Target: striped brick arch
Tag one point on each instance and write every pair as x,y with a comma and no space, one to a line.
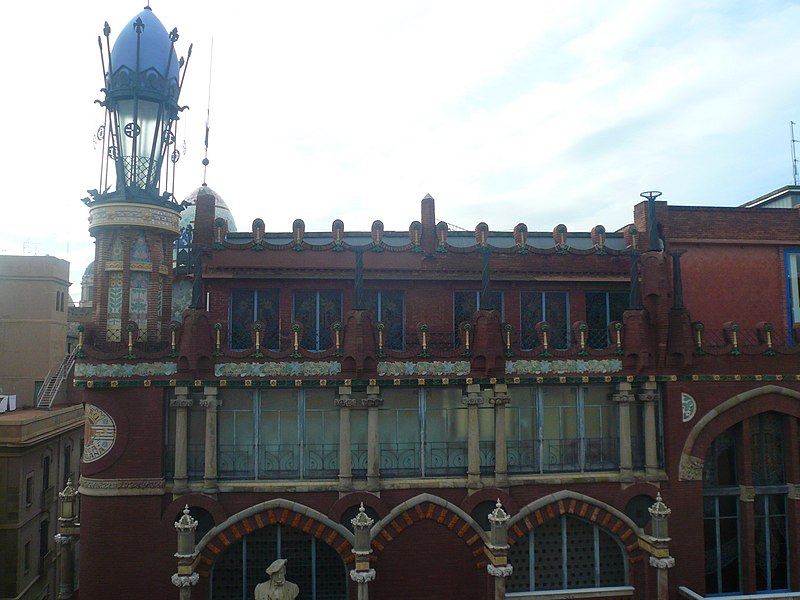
567,503
286,513
432,508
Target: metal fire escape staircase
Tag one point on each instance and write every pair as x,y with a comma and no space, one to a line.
54,380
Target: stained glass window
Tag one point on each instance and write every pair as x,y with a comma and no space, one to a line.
552,307
317,311
248,306
387,306
603,308
465,303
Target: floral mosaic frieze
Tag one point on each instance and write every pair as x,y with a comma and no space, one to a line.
434,367
142,369
543,367
278,369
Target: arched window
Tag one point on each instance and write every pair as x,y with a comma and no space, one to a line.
566,553
313,565
735,536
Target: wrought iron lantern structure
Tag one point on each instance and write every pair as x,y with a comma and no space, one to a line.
143,80
68,506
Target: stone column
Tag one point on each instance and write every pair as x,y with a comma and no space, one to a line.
66,572
623,396
500,400
345,402
473,400
659,546
363,572
649,396
210,402
181,403
497,551
373,402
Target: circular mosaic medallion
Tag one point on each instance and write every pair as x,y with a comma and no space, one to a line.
100,434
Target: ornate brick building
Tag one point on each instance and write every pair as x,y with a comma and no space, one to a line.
578,378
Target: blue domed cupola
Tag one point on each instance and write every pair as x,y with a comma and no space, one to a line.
142,86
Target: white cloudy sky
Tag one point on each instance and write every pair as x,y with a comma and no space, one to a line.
505,112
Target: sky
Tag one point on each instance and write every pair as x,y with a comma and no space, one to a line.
508,112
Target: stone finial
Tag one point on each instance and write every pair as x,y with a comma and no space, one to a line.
186,522
362,520
498,516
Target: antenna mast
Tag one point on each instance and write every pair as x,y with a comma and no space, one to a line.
795,175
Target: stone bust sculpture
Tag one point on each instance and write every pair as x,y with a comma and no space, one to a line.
277,588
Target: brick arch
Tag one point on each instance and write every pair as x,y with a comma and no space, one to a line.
727,414
266,514
565,502
429,507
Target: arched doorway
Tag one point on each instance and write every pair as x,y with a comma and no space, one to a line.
313,565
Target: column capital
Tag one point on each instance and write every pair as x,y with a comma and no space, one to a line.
181,402
362,576
662,563
500,399
372,401
649,396
181,581
210,402
472,399
344,401
500,571
622,396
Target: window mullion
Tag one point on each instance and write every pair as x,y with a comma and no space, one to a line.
256,406
422,408
301,431
564,578
596,543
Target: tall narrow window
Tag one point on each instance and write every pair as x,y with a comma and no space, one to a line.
388,307
249,306
603,308
317,311
793,288
445,432
400,433
552,307
236,444
465,303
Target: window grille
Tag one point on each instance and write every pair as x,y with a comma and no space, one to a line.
552,307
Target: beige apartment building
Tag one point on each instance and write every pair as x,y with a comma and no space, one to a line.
41,439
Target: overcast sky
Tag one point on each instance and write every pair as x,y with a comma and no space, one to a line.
505,112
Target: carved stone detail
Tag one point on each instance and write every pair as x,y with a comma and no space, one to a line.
501,571
691,468
662,563
185,580
362,576
500,400
472,399
121,487
181,402
62,540
345,402
371,401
